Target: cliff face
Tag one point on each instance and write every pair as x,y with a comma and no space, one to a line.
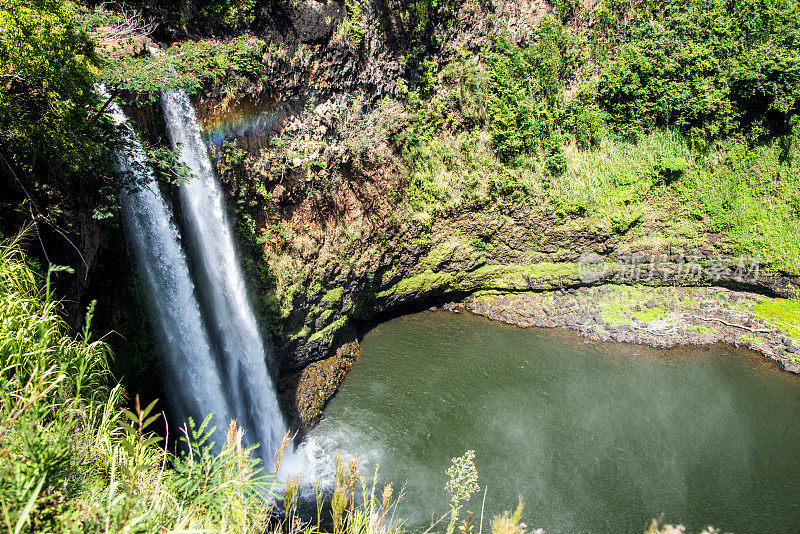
336,230
359,156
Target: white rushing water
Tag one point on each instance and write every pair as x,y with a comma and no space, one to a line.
231,323
192,380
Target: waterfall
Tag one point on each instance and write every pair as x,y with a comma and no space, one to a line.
231,323
192,381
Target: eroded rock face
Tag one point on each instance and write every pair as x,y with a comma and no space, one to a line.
303,395
321,194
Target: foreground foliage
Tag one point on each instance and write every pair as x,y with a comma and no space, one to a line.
73,458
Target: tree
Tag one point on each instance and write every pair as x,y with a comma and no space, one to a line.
53,136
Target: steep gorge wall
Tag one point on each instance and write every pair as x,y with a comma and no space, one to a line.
321,195
333,232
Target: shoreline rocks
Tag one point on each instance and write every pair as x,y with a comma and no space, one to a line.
661,317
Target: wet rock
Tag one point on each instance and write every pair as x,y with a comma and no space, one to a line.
304,394
791,367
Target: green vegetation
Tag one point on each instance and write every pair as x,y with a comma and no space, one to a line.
626,303
233,14
462,484
523,86
424,282
187,65
783,313
707,68
751,339
353,27
334,295
48,67
53,137
690,127
75,459
752,197
329,331
497,277
700,329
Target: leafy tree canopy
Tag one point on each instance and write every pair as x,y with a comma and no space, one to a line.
53,136
48,107
708,67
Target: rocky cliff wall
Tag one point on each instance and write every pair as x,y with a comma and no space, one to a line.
335,227
309,158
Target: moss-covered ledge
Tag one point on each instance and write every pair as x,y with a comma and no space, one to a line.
657,316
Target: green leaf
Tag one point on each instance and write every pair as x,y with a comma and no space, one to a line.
147,422
128,428
23,515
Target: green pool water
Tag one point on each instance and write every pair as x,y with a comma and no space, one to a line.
595,437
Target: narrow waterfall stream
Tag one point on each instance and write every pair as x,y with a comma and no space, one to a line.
188,362
232,325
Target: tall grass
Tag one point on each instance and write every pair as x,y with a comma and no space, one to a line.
656,190
753,196
72,458
617,172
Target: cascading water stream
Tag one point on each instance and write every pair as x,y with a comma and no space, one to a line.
192,380
232,324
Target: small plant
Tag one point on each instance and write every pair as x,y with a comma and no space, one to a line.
462,484
670,169
372,513
353,27
508,523
479,243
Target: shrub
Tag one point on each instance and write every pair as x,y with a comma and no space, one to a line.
233,14
523,86
353,28
706,68
670,169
